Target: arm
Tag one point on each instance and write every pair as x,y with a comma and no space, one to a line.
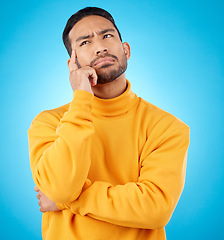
150,202
60,148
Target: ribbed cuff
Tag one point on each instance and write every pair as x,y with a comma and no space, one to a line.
63,206
81,98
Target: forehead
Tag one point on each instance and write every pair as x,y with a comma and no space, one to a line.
90,25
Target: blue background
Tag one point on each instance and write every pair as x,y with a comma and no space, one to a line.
177,63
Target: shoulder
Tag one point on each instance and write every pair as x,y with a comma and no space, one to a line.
157,118
161,128
50,117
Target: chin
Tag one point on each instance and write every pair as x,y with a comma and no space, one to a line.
104,80
107,74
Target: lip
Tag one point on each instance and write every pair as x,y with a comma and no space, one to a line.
103,60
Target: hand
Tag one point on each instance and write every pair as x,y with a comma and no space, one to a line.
81,78
46,205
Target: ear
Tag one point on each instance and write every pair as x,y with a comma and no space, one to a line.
127,49
68,61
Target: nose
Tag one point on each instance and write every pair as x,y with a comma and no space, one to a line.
101,50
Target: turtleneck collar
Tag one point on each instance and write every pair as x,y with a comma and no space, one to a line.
117,106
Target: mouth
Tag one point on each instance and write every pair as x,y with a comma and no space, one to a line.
102,61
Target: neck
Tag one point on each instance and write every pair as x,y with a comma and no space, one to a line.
112,89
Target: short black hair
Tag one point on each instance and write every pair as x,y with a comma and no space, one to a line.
88,11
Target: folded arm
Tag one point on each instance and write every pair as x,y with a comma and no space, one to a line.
149,202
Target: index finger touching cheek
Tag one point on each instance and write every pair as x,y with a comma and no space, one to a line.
72,61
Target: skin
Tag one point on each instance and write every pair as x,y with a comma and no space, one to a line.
90,48
94,42
46,205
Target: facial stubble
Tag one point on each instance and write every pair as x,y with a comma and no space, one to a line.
108,73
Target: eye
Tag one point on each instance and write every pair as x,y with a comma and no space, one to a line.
83,43
108,35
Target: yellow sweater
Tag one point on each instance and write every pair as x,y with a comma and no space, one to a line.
115,167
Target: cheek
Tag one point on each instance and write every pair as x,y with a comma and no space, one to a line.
118,51
83,57
121,55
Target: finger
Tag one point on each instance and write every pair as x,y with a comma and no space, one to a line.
36,189
42,210
72,61
93,78
38,195
41,207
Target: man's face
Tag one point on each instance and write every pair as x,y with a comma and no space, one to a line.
97,44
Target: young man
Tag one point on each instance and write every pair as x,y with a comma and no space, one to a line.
109,165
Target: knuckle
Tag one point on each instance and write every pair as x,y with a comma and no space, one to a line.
72,71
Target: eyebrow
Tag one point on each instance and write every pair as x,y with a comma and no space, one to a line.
98,33
105,31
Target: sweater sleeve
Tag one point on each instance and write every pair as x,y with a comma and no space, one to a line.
149,202
60,149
